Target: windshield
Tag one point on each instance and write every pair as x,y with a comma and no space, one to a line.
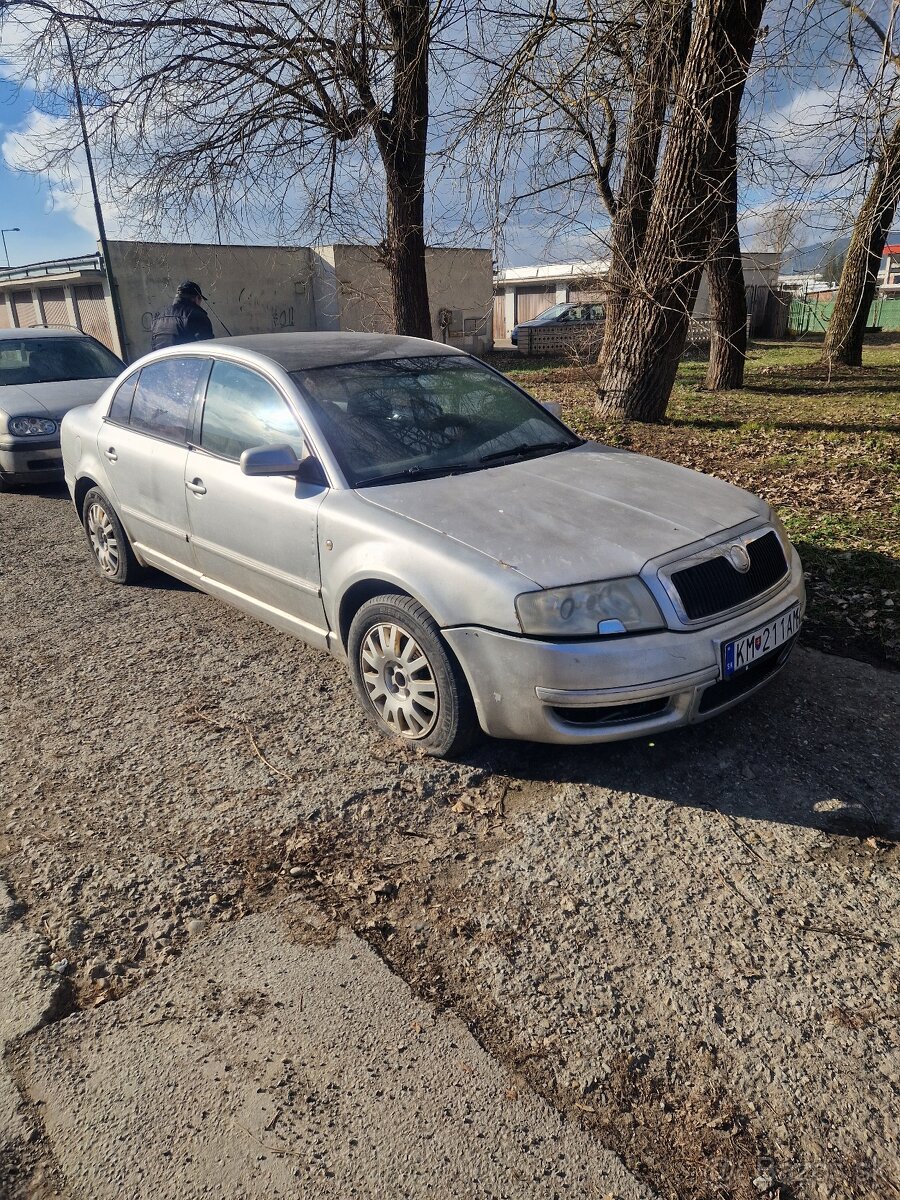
551,313
51,360
402,418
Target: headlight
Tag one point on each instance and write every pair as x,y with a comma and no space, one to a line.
31,426
611,606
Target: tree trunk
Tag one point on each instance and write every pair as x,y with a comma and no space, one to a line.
725,273
405,256
665,39
402,139
847,327
640,370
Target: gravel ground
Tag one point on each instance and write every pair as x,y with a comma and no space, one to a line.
690,946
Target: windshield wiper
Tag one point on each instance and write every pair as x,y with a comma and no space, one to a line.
418,473
528,448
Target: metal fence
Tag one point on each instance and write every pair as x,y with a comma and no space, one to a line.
810,315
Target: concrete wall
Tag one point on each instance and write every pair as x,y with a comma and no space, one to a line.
254,289
258,289
760,271
352,289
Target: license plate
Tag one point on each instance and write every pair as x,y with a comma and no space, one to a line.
744,651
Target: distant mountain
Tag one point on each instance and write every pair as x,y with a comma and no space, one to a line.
809,259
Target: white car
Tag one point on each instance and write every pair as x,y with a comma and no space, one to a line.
43,373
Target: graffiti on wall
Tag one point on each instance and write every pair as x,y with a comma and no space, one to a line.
280,317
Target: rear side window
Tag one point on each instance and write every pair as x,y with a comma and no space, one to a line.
120,409
164,397
243,410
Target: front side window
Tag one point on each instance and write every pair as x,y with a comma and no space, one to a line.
398,419
54,360
165,395
243,410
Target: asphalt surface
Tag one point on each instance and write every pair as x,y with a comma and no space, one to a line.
686,948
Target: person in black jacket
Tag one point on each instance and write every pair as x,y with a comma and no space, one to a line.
183,321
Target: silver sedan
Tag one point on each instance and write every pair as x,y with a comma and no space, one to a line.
409,509
43,373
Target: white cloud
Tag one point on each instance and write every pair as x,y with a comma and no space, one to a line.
37,146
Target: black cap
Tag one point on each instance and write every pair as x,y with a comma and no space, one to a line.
189,288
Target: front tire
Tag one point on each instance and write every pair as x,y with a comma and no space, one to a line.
110,547
408,683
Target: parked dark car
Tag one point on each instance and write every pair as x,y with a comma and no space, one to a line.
563,314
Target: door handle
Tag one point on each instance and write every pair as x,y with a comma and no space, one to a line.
197,486
111,454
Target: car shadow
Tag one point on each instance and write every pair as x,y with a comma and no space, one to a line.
158,581
45,491
817,748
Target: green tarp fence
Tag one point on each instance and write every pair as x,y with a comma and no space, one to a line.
812,316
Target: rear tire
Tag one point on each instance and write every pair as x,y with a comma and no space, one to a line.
408,683
110,548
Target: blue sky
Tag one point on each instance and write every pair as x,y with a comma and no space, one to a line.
25,200
55,216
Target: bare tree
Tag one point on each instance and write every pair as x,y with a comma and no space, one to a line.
662,50
779,231
295,106
859,275
640,369
725,273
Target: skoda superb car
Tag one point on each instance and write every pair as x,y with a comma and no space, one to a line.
409,509
44,373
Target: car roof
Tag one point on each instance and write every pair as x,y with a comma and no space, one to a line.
41,331
304,351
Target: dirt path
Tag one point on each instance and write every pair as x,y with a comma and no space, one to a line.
691,947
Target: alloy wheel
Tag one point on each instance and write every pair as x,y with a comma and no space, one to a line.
399,681
104,542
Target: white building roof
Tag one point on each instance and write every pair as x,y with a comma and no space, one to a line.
553,272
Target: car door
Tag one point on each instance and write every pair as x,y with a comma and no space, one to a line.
254,537
143,441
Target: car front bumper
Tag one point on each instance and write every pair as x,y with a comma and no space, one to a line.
616,688
31,460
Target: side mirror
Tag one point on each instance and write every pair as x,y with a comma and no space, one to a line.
270,460
554,407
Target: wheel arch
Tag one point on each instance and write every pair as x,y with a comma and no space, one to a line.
356,596
82,486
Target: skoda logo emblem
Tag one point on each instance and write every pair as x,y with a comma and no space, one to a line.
739,559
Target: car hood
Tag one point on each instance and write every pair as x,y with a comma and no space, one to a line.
594,512
52,399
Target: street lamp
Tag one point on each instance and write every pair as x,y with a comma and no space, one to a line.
3,233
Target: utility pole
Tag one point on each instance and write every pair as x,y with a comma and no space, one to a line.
98,211
212,189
